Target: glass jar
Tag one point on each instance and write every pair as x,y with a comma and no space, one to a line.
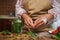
17,25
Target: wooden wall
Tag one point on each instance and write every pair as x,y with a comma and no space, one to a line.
7,6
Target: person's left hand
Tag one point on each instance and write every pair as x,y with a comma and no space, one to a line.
38,23
41,21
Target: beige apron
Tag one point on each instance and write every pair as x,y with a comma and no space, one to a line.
36,8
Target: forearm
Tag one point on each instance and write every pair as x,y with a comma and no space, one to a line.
19,10
49,16
24,15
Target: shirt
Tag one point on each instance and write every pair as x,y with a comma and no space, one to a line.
55,10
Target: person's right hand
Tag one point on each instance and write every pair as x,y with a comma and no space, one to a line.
27,20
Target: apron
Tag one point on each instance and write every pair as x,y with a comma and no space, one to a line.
36,8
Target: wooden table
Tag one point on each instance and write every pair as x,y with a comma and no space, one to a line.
22,37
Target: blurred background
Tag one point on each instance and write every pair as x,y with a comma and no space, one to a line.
7,6
7,12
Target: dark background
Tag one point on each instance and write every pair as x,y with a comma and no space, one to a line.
7,6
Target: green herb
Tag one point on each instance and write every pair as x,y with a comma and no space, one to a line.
31,33
5,32
56,37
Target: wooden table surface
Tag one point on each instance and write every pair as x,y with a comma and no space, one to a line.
21,37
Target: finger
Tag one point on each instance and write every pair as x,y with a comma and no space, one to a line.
27,26
39,25
38,22
26,23
36,25
30,22
35,22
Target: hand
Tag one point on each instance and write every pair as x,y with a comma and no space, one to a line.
39,22
27,20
